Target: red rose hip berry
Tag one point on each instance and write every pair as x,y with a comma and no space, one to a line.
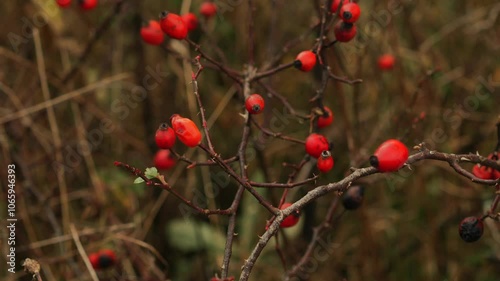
186,130
471,229
326,119
316,144
190,20
88,4
103,259
482,172
335,5
386,62
164,159
165,137
325,162
63,3
350,12
173,25
344,32
152,33
208,9
254,104
305,61
390,156
290,220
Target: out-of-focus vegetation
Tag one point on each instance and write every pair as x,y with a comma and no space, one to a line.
443,90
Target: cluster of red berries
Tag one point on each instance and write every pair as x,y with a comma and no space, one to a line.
102,259
487,173
184,129
84,4
174,25
349,13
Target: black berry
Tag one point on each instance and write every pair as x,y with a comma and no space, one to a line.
353,197
471,229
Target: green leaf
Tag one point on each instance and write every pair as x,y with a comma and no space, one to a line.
151,173
138,180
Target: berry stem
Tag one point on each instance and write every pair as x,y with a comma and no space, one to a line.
200,104
233,74
164,185
276,135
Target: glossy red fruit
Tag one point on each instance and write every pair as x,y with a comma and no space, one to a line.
164,159
344,32
186,130
63,3
316,144
335,5
353,197
290,220
390,156
152,33
326,119
254,104
350,12
103,259
305,61
386,62
173,25
482,172
190,20
165,137
471,229
88,4
208,9
325,162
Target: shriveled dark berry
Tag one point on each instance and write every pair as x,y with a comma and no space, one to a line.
353,197
471,229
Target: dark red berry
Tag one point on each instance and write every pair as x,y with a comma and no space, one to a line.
350,12
325,162
164,159
254,104
165,137
390,156
88,4
152,33
63,3
325,119
335,5
316,144
290,220
208,9
471,229
190,20
173,25
353,197
103,259
305,61
186,130
344,32
386,62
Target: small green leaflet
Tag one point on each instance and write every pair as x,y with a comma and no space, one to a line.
149,173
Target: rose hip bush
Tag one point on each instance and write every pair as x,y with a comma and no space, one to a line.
255,140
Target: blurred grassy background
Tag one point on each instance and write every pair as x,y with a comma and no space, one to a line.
447,68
